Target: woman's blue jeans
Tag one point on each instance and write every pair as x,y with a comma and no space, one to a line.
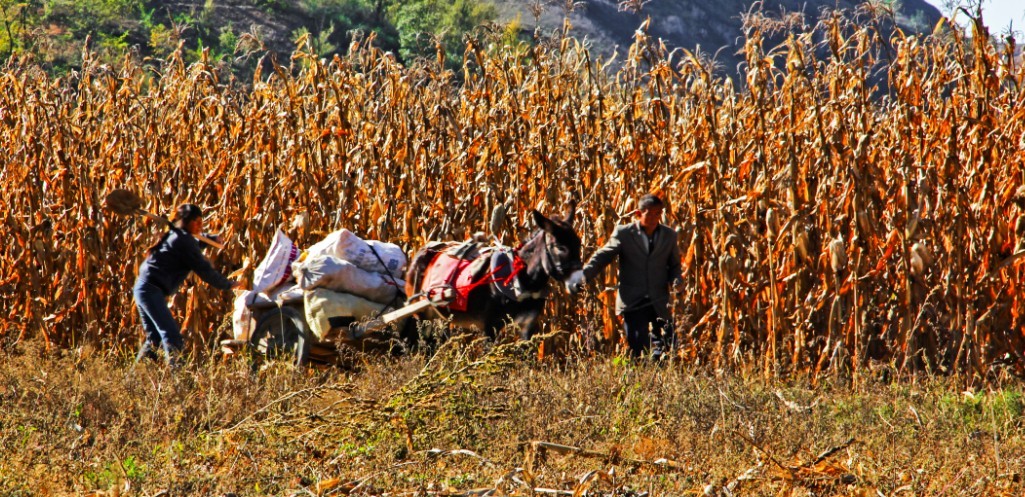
162,331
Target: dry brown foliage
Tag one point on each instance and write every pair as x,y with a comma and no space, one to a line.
477,419
827,225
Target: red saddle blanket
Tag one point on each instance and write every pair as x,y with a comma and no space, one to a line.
449,278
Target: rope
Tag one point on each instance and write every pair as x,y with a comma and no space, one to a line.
395,300
518,266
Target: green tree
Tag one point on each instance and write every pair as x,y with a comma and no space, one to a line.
420,23
13,16
334,22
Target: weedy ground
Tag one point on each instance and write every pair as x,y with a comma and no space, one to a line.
479,418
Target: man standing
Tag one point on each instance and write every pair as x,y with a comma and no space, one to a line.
166,266
649,262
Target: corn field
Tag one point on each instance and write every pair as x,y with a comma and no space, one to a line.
830,225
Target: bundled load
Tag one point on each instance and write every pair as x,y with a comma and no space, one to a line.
340,275
338,281
369,255
328,309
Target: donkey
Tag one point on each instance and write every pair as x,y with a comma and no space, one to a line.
513,286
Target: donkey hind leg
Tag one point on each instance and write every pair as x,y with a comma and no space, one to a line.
494,321
523,316
409,337
524,325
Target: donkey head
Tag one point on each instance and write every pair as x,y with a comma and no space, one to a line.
561,258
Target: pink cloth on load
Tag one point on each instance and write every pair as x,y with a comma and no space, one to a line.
446,271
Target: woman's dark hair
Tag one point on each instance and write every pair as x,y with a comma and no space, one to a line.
185,214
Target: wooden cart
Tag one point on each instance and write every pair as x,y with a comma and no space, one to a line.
282,333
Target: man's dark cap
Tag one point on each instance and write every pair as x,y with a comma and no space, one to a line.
648,201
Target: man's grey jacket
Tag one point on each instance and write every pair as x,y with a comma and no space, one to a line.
643,276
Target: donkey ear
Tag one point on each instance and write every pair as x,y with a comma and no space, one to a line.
572,212
541,221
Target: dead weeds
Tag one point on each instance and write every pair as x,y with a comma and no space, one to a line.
481,419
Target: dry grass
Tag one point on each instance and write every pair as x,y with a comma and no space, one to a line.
469,420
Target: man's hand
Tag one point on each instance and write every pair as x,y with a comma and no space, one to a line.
575,282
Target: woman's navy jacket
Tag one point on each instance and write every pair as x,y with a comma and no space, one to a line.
172,258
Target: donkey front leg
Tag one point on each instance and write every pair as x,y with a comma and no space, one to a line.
526,319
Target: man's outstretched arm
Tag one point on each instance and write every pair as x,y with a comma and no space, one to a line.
604,256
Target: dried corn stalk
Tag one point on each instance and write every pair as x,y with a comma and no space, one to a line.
818,218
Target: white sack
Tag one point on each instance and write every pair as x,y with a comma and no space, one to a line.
323,304
346,246
325,271
286,293
289,295
242,317
276,267
393,256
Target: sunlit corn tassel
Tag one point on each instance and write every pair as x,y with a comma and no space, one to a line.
439,51
837,255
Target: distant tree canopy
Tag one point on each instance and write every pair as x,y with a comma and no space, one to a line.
421,24
55,32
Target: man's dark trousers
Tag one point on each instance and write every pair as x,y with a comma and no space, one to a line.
645,329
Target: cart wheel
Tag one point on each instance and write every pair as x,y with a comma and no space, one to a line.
281,334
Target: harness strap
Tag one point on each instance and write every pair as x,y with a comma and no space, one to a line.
555,271
517,266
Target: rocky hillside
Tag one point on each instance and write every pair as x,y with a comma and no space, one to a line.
712,26
54,33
